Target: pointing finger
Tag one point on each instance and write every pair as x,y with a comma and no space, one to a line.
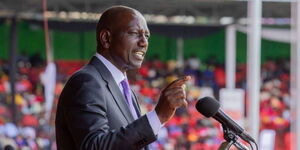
179,82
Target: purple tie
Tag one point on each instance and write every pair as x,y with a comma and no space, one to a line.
126,91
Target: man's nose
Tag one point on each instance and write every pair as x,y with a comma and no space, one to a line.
143,41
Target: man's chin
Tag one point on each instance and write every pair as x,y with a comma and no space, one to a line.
135,66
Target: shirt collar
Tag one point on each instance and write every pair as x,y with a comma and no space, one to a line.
115,72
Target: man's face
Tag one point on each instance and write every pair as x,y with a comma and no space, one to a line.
129,42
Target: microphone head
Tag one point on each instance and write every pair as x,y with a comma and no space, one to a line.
207,106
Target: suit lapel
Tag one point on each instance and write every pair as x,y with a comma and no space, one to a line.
113,88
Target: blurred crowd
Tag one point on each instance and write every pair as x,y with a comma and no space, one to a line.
27,128
187,130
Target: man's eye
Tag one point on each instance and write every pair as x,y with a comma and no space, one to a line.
147,36
133,33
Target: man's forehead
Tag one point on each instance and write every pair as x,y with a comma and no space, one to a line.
139,22
130,19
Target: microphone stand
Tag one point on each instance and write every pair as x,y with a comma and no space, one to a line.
231,138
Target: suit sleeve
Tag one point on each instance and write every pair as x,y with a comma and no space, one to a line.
84,110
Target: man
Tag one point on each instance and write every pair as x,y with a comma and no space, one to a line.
96,109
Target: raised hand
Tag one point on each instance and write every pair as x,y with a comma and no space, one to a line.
171,97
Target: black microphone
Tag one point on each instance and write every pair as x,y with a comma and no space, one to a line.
210,107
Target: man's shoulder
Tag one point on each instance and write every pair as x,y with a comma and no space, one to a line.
86,70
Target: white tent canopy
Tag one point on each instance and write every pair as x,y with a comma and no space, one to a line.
272,34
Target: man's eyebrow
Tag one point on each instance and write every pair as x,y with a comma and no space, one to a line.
139,29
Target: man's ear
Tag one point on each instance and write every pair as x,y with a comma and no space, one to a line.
105,38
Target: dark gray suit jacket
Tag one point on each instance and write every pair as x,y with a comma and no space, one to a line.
92,114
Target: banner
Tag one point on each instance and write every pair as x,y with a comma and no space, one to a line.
49,82
233,103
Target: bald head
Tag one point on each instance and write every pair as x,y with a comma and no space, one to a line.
110,19
122,37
